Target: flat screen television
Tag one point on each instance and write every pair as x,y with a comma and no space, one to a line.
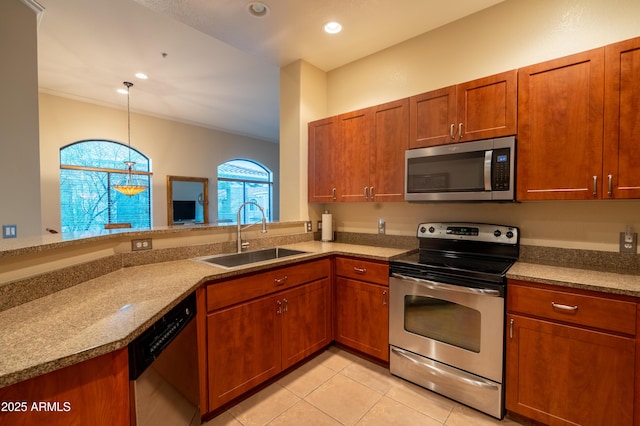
184,210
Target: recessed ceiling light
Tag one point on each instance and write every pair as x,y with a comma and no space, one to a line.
258,9
141,76
332,27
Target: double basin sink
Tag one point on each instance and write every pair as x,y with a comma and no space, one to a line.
249,257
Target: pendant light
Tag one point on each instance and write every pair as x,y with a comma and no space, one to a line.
127,185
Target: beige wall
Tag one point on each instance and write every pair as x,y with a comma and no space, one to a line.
174,149
507,36
303,97
19,161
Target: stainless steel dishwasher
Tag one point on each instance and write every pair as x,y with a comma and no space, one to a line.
163,370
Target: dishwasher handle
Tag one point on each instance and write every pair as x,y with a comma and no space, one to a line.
433,285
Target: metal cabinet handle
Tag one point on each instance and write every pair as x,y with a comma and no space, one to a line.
279,307
610,188
280,281
511,328
371,194
460,131
366,192
359,270
384,297
433,285
286,305
451,131
595,186
564,307
333,193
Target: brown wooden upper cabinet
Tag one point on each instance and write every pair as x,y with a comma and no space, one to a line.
560,124
322,160
355,156
621,178
576,118
478,109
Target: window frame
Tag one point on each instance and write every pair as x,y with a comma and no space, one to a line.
113,176
248,197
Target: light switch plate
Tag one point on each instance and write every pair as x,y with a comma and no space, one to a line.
629,245
9,231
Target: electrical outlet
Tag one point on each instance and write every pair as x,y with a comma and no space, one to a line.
142,244
629,242
9,231
382,226
319,225
309,226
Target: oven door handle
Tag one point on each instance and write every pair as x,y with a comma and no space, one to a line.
432,285
468,380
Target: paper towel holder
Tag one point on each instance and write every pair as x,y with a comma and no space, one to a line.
327,226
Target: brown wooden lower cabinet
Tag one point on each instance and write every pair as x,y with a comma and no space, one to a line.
559,372
250,342
93,392
362,309
362,317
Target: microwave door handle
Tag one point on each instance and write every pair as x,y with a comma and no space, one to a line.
488,159
432,285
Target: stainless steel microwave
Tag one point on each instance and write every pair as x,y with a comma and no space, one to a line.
470,171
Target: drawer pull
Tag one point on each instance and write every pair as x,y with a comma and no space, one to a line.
359,270
280,281
564,307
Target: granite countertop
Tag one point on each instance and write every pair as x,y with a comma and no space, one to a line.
586,279
106,313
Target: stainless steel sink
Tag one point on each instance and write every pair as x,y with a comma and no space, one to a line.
240,259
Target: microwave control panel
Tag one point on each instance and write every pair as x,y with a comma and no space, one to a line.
500,169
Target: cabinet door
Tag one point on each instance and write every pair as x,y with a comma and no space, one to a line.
243,348
391,140
362,317
562,375
487,107
322,160
622,120
354,145
94,392
560,128
306,321
432,117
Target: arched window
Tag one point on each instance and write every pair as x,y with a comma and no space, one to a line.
240,181
88,171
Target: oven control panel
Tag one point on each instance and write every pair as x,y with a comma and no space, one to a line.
470,232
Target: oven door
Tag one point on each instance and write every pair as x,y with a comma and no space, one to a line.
459,326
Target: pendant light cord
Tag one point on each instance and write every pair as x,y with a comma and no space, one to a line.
128,84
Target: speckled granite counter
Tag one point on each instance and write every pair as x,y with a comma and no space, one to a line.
106,313
586,279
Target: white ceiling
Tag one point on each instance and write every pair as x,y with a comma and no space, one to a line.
221,68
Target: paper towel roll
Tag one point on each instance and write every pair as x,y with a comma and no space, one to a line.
327,227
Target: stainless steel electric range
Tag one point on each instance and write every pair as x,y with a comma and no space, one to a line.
447,311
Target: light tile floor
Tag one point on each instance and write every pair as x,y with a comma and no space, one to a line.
338,388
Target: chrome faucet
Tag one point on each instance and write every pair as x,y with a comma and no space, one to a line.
241,245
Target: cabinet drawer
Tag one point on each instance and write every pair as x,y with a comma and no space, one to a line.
236,290
591,311
363,270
